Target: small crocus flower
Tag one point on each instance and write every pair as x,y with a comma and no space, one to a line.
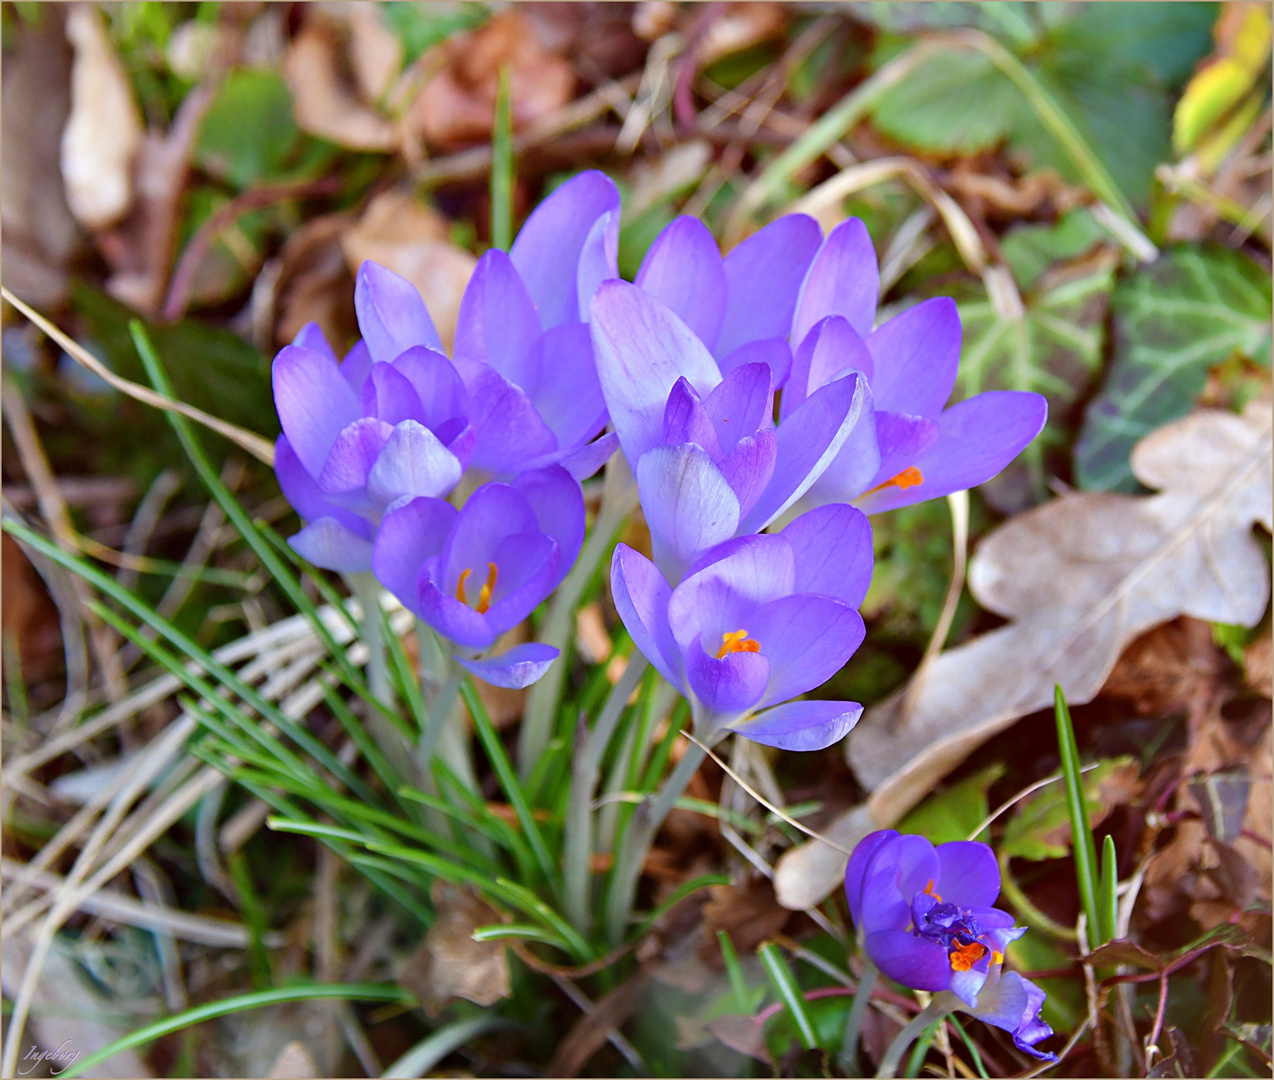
926,919
710,466
807,305
755,623
473,574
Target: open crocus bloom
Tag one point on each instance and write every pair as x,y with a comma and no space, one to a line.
709,463
756,622
806,305
925,917
472,574
397,419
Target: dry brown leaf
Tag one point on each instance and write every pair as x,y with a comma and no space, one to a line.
1078,578
457,105
450,964
749,913
401,233
293,1063
314,284
104,131
1258,665
741,27
325,99
375,54
592,639
40,234
741,1034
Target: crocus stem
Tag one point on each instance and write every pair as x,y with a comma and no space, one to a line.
636,842
395,748
590,746
441,707
935,1010
619,498
854,1025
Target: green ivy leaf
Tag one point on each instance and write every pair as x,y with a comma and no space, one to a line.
954,813
1189,311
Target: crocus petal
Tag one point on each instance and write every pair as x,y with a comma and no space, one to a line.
774,353
833,549
547,250
491,513
807,639
314,403
302,491
641,597
528,569
689,505
976,439
353,455
329,544
558,504
749,466
568,395
497,323
509,430
801,725
642,348
454,620
901,439
830,348
585,461
412,463
728,686
409,535
967,985
389,395
842,280
598,260
391,314
856,868
912,961
1013,1003
970,876
437,384
808,443
916,355
311,337
720,595
521,666
737,405
687,421
895,875
683,268
764,275
356,365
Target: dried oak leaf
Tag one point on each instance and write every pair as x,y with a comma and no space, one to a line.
104,131
450,964
401,233
457,105
1078,578
749,913
314,283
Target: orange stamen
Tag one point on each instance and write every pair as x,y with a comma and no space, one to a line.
464,576
929,890
909,477
737,641
484,597
963,957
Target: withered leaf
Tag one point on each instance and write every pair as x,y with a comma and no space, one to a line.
449,964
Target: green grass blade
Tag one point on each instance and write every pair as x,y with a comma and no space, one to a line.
240,1003
1085,850
788,991
734,970
1108,898
502,165
676,896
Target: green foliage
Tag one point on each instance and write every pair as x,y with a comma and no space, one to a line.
1031,249
422,26
1188,311
1037,830
953,814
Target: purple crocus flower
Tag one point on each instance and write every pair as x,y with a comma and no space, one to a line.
472,574
396,419
757,621
926,920
709,463
807,305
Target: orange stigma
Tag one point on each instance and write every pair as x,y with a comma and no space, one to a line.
484,597
737,641
929,890
909,477
963,957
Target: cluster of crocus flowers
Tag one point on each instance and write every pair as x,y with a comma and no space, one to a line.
926,919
